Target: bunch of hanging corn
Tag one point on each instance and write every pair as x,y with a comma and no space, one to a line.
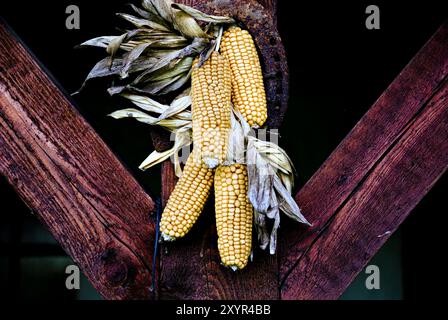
162,53
233,76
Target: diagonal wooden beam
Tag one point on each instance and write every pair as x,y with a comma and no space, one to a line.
69,177
373,179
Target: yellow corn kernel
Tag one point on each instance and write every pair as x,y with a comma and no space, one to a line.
248,94
211,102
233,215
187,199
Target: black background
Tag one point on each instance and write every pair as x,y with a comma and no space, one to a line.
338,69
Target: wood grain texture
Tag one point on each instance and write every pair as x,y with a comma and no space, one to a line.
71,180
372,180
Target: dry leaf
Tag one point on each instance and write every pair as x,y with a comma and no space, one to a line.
139,22
182,139
201,16
188,26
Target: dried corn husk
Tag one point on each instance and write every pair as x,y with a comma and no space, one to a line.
175,117
201,16
270,182
159,51
172,117
182,139
271,176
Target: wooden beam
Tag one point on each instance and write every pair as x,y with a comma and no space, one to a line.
373,179
71,180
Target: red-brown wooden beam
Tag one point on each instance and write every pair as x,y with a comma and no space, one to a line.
72,181
373,179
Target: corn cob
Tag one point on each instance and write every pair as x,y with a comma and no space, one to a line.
233,215
211,102
187,199
248,94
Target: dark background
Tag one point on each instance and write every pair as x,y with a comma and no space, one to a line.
338,69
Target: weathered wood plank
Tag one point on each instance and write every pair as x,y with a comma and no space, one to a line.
388,161
70,178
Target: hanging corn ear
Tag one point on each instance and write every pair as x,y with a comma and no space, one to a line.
211,99
248,94
233,215
187,200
